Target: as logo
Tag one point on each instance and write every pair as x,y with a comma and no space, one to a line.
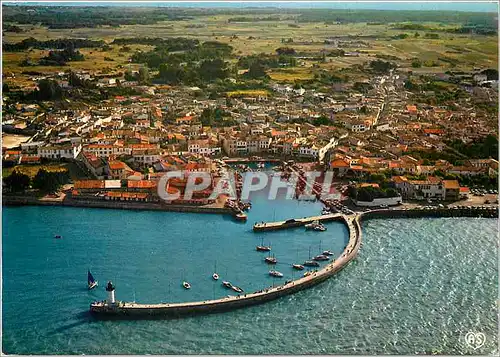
475,340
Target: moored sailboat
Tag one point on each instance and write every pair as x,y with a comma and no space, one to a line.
321,257
262,247
275,273
271,260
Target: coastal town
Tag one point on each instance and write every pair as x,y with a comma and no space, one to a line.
337,162
122,147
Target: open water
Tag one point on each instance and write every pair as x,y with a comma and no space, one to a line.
417,286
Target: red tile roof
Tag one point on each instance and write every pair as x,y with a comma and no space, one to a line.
141,184
339,163
89,184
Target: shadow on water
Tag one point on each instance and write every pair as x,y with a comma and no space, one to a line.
83,317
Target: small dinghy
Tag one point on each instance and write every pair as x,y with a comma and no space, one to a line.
215,276
237,289
186,285
311,263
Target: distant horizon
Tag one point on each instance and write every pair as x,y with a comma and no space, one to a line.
388,5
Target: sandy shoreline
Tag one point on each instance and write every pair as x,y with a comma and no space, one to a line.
13,140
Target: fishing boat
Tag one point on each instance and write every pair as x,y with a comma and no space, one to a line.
92,283
311,263
327,252
315,225
298,266
186,285
262,248
237,289
227,284
275,273
321,257
57,236
319,228
241,216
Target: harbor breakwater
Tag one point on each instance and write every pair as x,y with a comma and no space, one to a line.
457,211
135,310
353,222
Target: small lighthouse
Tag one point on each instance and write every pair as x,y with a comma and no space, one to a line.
110,288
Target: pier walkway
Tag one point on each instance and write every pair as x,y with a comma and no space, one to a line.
296,222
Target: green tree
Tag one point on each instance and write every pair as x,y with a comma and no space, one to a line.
170,73
213,69
46,181
143,76
322,120
207,117
256,70
285,51
17,181
48,90
129,76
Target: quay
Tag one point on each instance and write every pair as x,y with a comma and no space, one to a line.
130,205
296,222
135,310
248,160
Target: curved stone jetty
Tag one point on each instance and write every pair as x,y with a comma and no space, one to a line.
135,310
128,309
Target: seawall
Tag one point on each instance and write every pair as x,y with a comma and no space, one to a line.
129,205
134,310
458,211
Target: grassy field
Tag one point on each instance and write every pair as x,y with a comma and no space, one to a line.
257,37
247,93
291,74
94,61
31,170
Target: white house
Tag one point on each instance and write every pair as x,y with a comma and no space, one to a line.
69,151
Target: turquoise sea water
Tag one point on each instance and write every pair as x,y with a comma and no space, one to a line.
417,285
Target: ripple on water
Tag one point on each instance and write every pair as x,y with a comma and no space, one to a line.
417,286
